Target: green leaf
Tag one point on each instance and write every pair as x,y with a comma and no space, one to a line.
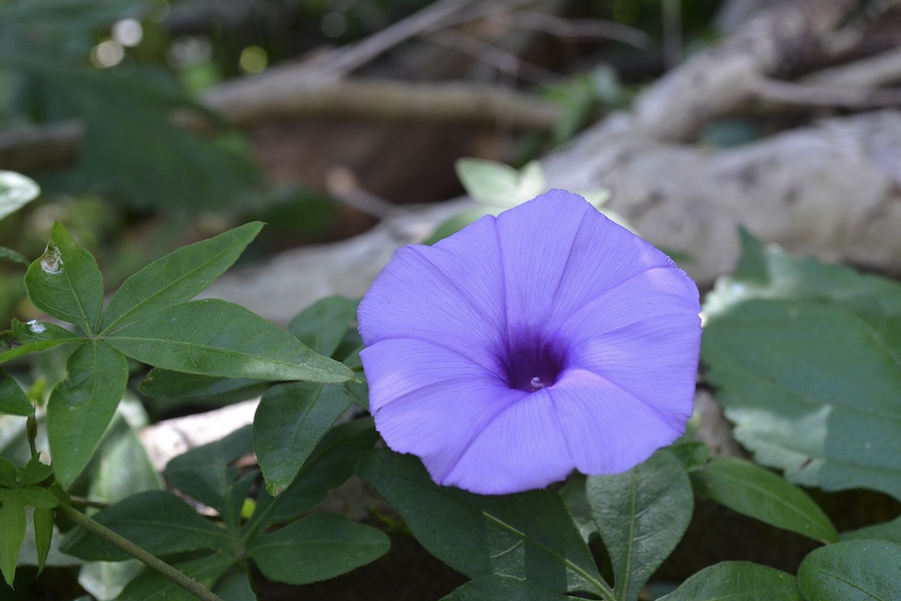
16,191
38,497
762,495
316,548
859,570
737,581
166,384
13,399
156,520
178,276
216,338
235,585
206,473
106,580
8,254
805,357
289,422
329,466
65,282
32,337
496,588
35,472
573,495
693,454
322,325
497,184
12,535
9,475
153,586
526,536
81,406
641,515
43,535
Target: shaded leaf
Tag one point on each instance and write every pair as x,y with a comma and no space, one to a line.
322,325
13,399
12,535
81,406
35,472
43,535
329,466
205,473
737,581
177,277
153,586
216,338
38,497
166,384
8,254
65,282
859,570
888,531
527,536
494,588
641,515
156,520
761,494
289,422
805,359
318,547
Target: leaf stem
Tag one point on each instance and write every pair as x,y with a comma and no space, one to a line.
150,560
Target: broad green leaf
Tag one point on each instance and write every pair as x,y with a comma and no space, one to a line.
235,585
178,276
496,588
762,495
37,497
316,548
153,586
805,357
9,476
16,191
322,325
43,535
206,473
167,384
329,466
8,254
289,422
500,185
737,581
12,535
81,406
859,570
105,580
526,536
12,398
65,282
156,520
641,515
216,338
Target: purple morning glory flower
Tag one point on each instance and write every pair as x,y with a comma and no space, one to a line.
527,345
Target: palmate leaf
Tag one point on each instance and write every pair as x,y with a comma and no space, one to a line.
805,359
12,398
177,277
761,494
215,338
65,282
528,536
32,337
641,515
81,406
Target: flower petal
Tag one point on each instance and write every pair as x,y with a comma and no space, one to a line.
450,294
608,429
521,448
559,253
643,336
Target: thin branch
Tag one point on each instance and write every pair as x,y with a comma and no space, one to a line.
784,92
151,561
581,28
492,55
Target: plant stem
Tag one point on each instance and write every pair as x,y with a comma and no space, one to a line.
150,560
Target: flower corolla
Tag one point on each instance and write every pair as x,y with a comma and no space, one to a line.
524,346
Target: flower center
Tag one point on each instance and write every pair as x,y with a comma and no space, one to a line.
533,366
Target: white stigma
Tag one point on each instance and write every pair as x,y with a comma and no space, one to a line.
536,382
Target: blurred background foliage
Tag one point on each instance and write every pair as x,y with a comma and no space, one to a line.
124,73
